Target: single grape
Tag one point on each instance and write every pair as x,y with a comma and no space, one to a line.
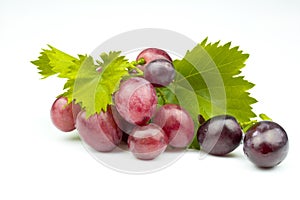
63,114
176,123
219,135
136,100
159,72
147,142
99,131
266,144
151,54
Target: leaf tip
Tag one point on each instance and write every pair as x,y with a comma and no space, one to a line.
203,43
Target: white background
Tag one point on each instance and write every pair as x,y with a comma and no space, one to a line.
39,162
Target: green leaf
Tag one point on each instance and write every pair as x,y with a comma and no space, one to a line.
53,61
69,85
209,83
93,89
43,64
212,71
107,58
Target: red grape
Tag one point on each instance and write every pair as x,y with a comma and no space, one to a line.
151,54
176,123
147,142
63,115
99,131
136,100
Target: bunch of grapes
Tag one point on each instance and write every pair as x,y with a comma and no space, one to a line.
136,118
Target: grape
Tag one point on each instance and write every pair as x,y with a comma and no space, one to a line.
266,144
219,135
136,100
147,142
159,72
176,123
63,115
99,131
124,125
151,54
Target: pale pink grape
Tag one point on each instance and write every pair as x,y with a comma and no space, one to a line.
63,114
99,131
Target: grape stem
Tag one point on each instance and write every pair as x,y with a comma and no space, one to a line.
246,125
139,62
160,93
133,67
265,117
136,71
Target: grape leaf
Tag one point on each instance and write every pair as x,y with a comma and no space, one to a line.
208,82
90,88
43,64
93,89
53,61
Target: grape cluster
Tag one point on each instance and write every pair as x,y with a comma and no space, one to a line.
148,128
135,117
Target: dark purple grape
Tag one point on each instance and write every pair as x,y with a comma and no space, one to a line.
266,144
176,123
151,54
147,142
136,100
219,135
63,115
99,131
159,72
